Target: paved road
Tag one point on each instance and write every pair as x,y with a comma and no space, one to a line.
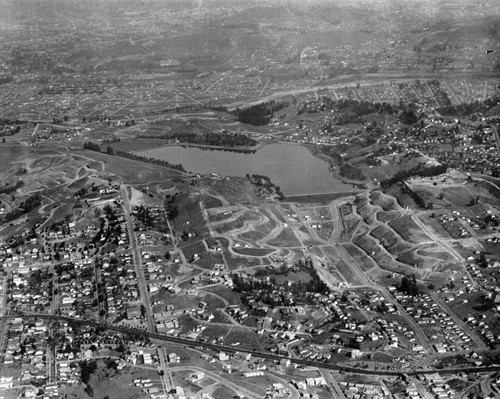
141,279
443,243
219,379
332,384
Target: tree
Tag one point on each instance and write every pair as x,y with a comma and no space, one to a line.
89,145
409,285
110,150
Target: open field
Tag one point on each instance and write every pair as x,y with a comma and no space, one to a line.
229,226
349,227
179,271
364,261
412,259
178,301
274,211
216,216
319,198
436,252
384,201
190,217
252,236
303,234
286,238
325,230
409,230
236,190
246,337
232,297
385,217
292,276
389,240
210,201
340,266
131,171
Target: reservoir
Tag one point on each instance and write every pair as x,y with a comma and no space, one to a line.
292,167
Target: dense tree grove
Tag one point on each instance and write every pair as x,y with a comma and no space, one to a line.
419,170
171,207
408,116
351,172
216,139
154,161
469,108
260,114
267,290
346,106
409,285
144,216
12,132
264,183
415,197
89,145
10,189
29,204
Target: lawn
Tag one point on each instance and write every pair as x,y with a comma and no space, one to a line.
232,297
213,332
212,302
178,301
245,336
222,392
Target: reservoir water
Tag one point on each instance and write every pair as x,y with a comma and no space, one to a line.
292,167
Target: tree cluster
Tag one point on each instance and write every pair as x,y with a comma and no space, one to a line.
408,116
215,139
422,170
89,145
409,285
87,368
12,132
260,114
29,204
171,207
265,186
468,109
271,293
10,189
351,172
144,216
346,107
154,161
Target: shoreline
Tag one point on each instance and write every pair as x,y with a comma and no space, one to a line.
201,146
